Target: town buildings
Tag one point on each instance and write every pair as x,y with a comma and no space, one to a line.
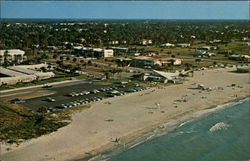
93,52
151,61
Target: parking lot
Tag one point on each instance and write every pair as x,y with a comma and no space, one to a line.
82,93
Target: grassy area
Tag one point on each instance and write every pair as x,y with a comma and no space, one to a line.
18,125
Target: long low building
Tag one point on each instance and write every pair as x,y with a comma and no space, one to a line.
93,52
38,74
150,61
16,74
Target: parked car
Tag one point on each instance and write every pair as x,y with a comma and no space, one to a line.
62,106
85,92
51,109
17,101
72,94
50,99
121,86
94,91
131,90
111,95
47,86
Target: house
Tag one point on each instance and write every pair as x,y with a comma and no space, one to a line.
200,53
170,61
183,45
215,41
104,53
167,45
150,61
207,48
239,57
145,61
113,42
227,52
93,52
119,49
146,42
12,55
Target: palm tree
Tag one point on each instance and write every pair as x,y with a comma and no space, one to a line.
6,55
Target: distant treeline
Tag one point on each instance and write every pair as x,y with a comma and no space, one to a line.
23,33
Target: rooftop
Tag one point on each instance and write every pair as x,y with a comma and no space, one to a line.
12,52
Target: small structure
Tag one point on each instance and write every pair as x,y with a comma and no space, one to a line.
145,61
200,53
167,45
150,61
243,69
183,45
159,76
146,42
170,61
239,57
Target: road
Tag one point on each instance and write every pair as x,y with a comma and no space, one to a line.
36,88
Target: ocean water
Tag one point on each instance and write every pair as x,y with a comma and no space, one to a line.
220,136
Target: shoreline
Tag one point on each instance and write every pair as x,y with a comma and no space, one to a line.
133,115
161,129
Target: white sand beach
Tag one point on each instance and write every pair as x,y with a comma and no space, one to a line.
127,117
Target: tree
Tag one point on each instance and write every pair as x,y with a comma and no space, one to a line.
6,56
74,60
107,75
43,69
89,62
55,56
59,62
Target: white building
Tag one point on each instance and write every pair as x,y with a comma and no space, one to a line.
146,42
21,74
108,53
167,45
184,45
12,55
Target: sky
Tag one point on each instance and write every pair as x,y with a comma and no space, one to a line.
125,9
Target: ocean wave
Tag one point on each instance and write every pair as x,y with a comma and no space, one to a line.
219,126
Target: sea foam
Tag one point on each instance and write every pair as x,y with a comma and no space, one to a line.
219,126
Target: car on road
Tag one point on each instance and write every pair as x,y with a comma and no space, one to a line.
47,86
17,101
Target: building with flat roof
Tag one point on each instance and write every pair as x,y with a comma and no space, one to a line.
150,61
11,55
22,74
93,52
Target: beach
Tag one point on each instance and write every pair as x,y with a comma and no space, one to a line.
121,119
